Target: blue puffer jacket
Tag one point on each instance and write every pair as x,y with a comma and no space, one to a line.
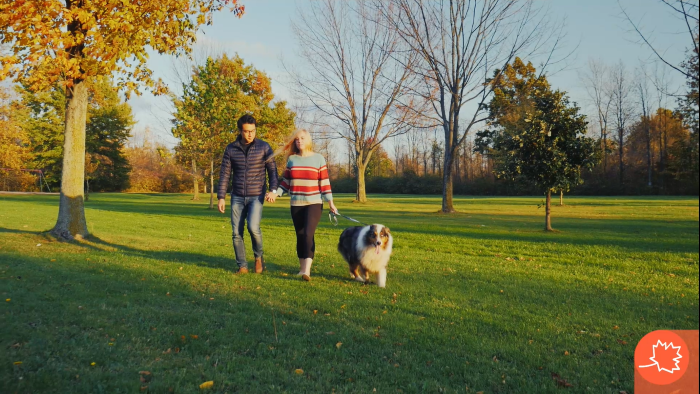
248,170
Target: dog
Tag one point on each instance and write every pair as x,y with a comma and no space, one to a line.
367,250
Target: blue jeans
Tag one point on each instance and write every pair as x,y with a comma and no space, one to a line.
246,209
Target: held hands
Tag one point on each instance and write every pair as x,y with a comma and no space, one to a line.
270,197
222,205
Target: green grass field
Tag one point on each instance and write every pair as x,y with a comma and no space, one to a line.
482,300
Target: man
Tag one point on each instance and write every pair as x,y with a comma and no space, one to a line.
248,158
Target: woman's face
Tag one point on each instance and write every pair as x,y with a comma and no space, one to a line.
301,141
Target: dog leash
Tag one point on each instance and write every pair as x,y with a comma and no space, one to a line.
334,219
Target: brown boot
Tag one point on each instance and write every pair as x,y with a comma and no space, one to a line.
259,266
242,270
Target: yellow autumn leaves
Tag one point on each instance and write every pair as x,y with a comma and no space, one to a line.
42,38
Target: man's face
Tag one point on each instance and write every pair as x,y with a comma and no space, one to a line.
248,132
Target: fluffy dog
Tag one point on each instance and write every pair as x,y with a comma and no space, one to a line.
367,250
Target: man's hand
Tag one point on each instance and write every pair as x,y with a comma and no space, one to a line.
222,205
270,197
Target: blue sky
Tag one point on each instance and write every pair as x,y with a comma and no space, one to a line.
263,37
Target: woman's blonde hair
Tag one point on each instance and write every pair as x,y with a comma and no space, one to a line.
290,147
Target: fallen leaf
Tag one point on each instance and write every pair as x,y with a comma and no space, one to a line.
298,371
560,381
338,345
18,363
566,352
330,333
93,363
315,311
145,377
621,342
8,299
207,385
194,336
616,328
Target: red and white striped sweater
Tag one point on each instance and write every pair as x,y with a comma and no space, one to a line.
306,180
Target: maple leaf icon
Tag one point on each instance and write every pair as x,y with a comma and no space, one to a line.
666,357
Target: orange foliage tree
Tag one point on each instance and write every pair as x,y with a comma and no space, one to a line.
70,41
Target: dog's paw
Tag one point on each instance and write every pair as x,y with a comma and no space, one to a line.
359,279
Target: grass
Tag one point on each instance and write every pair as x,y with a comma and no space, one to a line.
482,300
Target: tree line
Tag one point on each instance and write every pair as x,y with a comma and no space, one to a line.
372,71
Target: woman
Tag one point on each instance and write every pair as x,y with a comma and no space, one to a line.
306,180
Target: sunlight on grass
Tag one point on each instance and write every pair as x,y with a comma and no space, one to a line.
482,299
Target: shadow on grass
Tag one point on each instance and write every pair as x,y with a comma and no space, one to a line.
63,316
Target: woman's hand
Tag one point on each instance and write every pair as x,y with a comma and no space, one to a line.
331,205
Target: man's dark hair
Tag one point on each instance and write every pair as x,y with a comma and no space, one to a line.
245,119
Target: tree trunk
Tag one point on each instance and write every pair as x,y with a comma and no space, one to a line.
211,184
547,212
622,163
662,155
361,193
71,213
649,166
605,154
561,198
87,189
195,180
447,206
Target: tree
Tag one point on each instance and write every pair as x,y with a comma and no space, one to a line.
357,77
623,112
641,87
14,151
41,115
70,41
689,104
459,44
535,134
380,165
108,124
597,87
220,92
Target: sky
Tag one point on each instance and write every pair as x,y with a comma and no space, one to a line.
595,29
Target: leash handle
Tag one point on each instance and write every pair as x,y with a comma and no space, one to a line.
334,218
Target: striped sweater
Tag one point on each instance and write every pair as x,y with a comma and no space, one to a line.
306,180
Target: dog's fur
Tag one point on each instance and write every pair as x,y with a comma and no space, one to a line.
367,250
